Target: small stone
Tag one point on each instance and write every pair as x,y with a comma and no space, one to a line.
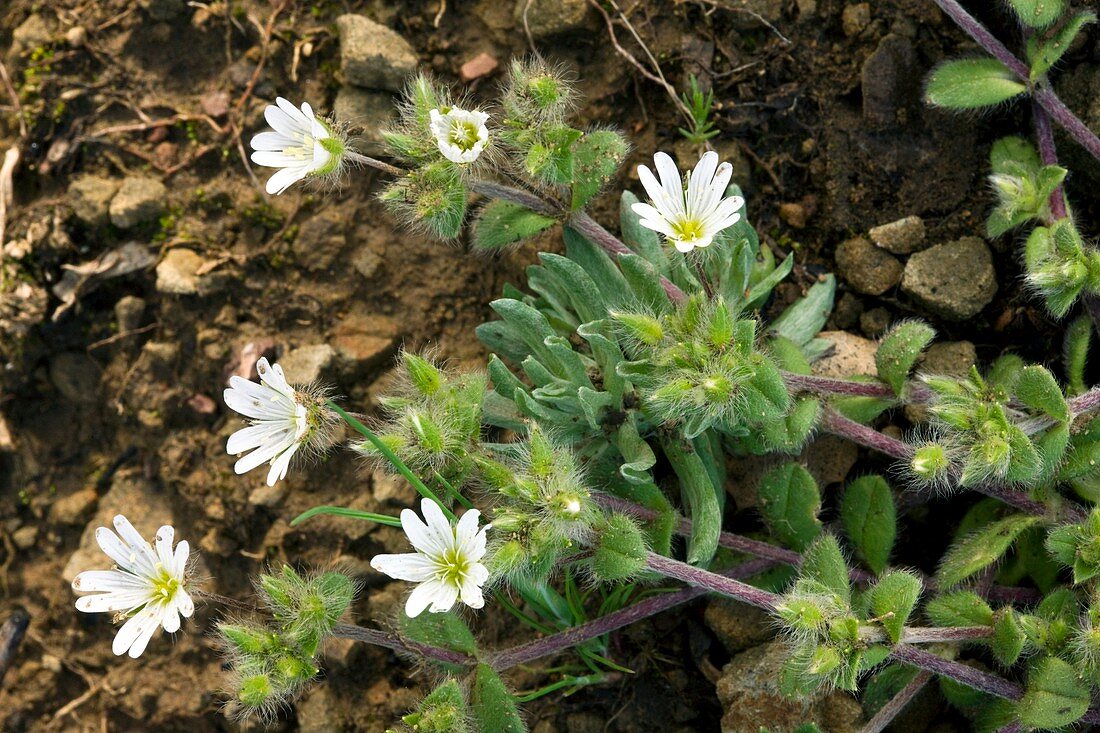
794,214
372,55
32,33
201,404
177,273
321,239
366,262
481,65
890,82
307,364
866,267
74,508
75,376
129,310
902,237
367,111
157,361
90,198
737,626
954,280
215,542
215,103
547,18
319,711
851,355
390,489
855,18
268,497
366,340
847,312
163,9
244,364
139,200
76,36
25,537
874,322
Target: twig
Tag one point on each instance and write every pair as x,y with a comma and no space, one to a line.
14,100
897,703
121,335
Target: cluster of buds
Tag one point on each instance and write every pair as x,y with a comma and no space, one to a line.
274,661
699,367
432,420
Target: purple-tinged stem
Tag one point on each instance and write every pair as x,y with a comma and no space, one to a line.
835,423
897,704
840,387
404,646
562,640
711,581
1041,93
1014,727
969,676
593,230
767,551
529,200
1048,153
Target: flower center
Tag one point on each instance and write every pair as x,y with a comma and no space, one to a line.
452,567
463,134
303,150
688,230
164,585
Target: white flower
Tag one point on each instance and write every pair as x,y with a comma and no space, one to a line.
147,585
301,145
460,134
280,421
446,563
688,218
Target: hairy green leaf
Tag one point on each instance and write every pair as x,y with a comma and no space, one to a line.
502,223
824,564
961,608
1037,388
982,548
870,520
899,350
1038,13
971,84
1044,53
790,501
1055,695
892,600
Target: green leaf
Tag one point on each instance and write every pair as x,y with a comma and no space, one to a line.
870,520
700,497
899,350
824,563
596,157
804,318
1076,351
981,549
1044,53
1013,153
502,223
445,630
1037,388
1055,696
790,501
340,511
642,240
495,709
961,608
1008,638
1038,13
971,84
893,599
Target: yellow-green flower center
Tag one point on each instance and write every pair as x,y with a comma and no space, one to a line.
452,567
463,134
164,585
687,230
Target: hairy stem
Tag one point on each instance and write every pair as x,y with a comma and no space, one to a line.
589,227
403,646
562,640
839,425
711,581
1048,153
1042,93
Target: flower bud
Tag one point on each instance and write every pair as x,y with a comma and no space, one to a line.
646,329
930,462
425,376
256,691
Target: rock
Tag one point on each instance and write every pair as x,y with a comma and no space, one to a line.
901,237
372,55
140,501
308,364
74,508
129,311
890,80
390,489
201,404
90,198
954,280
874,322
366,262
244,362
749,693
848,310
75,376
365,340
851,355
178,273
25,537
32,33
738,626
321,239
268,497
481,65
548,18
829,459
747,20
139,200
319,711
855,18
367,111
215,103
794,214
157,361
866,267
76,36
216,542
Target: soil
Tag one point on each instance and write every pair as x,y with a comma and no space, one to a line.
819,106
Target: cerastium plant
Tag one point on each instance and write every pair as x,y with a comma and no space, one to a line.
556,483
